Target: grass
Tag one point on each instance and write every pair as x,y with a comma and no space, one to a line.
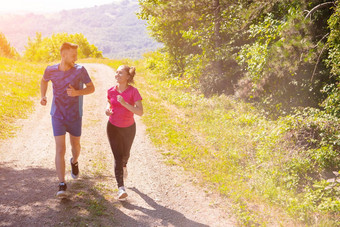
19,83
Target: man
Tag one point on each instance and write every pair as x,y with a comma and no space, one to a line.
67,80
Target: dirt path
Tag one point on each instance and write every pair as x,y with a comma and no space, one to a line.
159,195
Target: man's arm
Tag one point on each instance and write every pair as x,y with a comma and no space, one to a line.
43,90
88,90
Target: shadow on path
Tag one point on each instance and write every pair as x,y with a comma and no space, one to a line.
23,191
168,216
27,198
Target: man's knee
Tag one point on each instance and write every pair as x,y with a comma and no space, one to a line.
60,145
75,142
61,150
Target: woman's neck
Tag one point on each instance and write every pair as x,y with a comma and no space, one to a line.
122,87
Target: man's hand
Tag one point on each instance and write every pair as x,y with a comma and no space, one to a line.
43,101
71,91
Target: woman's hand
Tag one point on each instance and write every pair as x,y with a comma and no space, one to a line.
137,108
121,100
108,112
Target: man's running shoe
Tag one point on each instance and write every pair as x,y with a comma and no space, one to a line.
74,170
62,190
122,193
125,173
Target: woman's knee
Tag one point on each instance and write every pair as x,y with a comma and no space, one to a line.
119,163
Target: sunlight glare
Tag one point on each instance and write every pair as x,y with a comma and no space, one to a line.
41,6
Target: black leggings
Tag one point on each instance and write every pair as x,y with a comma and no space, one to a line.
120,141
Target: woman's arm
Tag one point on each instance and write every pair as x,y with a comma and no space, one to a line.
108,110
136,109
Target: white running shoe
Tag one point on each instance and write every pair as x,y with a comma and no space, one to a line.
122,193
62,190
125,173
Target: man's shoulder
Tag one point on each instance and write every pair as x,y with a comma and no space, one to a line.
52,68
79,70
78,67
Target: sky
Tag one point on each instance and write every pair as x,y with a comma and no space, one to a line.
46,6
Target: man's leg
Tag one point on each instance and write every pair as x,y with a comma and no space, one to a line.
60,157
75,143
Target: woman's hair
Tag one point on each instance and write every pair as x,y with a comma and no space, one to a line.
131,71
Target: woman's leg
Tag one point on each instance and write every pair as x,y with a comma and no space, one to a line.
128,135
115,140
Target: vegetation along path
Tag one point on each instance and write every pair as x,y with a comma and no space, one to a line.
159,195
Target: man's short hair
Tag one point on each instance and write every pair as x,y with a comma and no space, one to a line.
67,46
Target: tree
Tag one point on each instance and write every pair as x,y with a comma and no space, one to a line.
166,21
272,52
5,48
194,31
48,49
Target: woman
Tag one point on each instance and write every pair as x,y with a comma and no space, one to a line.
124,101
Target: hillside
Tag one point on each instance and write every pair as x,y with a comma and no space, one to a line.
113,28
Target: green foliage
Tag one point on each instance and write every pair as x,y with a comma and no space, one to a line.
261,51
283,68
5,48
267,52
334,42
196,40
48,49
332,102
255,56
157,62
166,25
269,169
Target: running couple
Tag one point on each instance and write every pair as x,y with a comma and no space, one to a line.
124,101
